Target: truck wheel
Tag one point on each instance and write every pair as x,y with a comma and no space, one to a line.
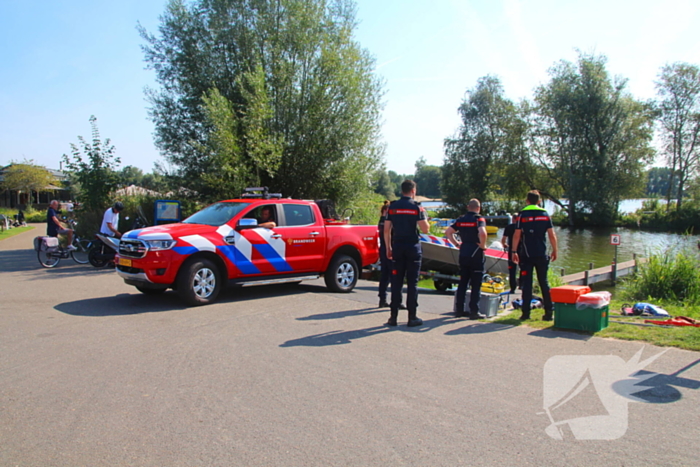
147,291
199,282
342,274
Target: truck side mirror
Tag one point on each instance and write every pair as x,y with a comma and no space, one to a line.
247,224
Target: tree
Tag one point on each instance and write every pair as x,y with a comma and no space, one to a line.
265,92
428,179
474,157
679,105
659,181
131,175
382,184
27,177
93,166
591,138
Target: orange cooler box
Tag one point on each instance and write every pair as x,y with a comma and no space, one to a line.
568,293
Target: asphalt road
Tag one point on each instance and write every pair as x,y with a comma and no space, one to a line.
93,373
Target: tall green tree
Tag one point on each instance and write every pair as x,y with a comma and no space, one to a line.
130,175
473,158
269,92
93,166
678,88
659,181
592,138
27,177
427,178
382,184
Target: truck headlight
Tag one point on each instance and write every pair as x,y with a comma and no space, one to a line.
158,245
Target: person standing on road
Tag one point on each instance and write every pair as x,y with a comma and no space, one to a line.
54,228
507,241
472,233
403,247
533,224
110,221
385,263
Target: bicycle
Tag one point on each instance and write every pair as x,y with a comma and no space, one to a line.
50,251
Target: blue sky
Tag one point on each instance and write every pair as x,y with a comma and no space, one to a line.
61,62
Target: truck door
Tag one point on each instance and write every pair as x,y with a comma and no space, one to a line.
260,251
304,236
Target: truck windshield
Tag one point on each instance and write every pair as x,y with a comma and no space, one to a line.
216,214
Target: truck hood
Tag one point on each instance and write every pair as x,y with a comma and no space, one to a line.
170,231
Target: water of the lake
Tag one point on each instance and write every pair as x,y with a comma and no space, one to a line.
579,247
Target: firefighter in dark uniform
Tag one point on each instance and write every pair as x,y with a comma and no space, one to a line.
403,247
533,228
507,241
472,233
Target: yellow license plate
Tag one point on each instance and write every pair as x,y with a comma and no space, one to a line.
125,262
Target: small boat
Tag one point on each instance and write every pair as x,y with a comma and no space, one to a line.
443,257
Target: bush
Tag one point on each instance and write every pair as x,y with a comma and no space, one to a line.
366,208
674,278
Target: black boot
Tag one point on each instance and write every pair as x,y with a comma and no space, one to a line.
393,318
413,320
477,315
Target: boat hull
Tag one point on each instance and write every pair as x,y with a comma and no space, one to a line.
441,256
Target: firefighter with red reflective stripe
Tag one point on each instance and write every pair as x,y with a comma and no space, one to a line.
472,243
403,247
529,250
507,241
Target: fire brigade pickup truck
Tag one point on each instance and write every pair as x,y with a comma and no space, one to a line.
224,243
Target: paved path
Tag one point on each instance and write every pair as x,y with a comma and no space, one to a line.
92,373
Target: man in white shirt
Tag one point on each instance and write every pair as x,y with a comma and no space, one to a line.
110,221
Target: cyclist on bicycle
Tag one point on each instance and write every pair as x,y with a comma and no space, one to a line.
54,228
110,221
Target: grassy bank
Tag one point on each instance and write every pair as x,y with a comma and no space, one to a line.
686,337
12,232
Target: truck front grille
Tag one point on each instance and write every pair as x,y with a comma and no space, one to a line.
132,249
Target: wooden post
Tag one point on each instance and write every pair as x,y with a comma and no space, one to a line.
585,276
590,266
562,272
634,257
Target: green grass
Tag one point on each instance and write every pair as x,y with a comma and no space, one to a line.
686,337
14,231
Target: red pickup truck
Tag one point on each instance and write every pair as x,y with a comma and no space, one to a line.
223,243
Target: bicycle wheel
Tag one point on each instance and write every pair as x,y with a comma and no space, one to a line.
48,259
80,255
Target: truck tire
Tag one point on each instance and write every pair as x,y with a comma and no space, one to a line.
199,282
342,273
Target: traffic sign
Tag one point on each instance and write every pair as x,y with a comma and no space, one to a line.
615,239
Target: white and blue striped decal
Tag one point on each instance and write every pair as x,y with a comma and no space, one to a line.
442,241
133,234
240,253
273,250
197,243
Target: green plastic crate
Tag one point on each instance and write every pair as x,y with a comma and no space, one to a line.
566,316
